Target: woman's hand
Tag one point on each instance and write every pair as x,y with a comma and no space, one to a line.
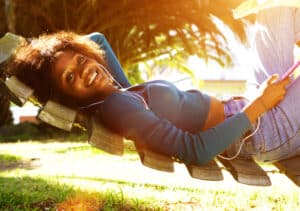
270,93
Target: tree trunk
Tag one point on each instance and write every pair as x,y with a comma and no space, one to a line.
3,24
5,112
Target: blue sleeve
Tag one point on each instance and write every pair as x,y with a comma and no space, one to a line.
131,119
113,63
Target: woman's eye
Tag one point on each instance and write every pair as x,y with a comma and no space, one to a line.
70,77
80,60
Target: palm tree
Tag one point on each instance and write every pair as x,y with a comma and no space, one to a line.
138,30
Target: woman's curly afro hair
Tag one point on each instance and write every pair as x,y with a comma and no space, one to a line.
34,59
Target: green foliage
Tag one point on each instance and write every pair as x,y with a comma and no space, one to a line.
7,158
23,131
134,75
27,131
137,30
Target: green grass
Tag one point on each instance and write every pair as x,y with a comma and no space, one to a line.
27,193
71,175
6,158
27,131
41,193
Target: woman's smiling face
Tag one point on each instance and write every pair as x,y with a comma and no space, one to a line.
81,77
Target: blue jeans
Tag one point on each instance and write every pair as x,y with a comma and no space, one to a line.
277,30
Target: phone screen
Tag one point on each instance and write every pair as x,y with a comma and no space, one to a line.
290,71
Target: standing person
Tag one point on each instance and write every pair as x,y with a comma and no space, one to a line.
277,30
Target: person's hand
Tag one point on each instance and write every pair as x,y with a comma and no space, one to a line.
270,93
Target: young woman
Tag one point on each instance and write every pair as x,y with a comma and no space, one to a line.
188,125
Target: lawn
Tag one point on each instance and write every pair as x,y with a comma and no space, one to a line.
55,175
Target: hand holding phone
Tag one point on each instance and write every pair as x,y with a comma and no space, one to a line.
290,71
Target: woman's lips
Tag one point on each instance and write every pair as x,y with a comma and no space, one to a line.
93,76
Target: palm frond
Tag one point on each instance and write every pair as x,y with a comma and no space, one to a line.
138,30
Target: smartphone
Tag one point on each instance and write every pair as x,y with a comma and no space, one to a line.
290,71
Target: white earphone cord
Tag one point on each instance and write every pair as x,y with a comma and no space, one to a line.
110,76
243,141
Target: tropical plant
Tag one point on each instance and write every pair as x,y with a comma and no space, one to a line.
137,30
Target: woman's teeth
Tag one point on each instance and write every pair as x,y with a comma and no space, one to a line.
92,78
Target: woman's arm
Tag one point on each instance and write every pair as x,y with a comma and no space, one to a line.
129,117
113,64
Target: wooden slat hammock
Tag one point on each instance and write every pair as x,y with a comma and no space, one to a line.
245,171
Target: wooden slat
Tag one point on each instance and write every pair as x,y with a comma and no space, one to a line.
291,168
154,160
103,138
16,90
210,171
58,115
246,171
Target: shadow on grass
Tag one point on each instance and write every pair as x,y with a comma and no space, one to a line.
129,148
10,162
153,186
